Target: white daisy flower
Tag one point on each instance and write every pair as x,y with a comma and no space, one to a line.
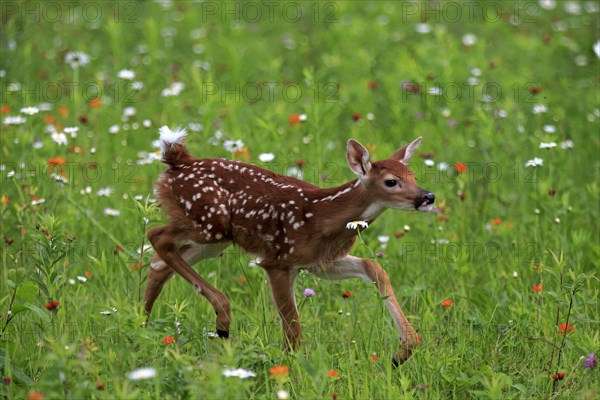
104,192
549,129
141,374
266,157
129,111
137,85
174,89
81,279
14,120
535,162
356,224
539,108
548,145
77,59
597,48
111,212
238,373
423,28
429,163
38,201
295,172
283,394
567,144
30,110
59,138
233,145
469,39
435,91
442,166
126,74
71,130
114,129
147,123
548,4
302,117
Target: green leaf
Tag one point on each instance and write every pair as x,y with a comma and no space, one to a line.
41,313
27,293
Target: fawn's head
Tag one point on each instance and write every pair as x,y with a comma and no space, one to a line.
390,181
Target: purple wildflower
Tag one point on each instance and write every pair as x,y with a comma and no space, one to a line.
380,254
308,292
591,361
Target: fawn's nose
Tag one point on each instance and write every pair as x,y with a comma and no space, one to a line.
428,199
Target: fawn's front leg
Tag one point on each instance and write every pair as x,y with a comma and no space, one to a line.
282,287
371,271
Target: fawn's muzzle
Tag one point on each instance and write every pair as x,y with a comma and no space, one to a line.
425,203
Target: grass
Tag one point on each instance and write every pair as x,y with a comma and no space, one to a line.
531,77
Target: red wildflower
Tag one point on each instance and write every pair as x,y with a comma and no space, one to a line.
356,116
497,221
299,163
83,119
411,87
279,370
88,274
372,84
7,379
374,357
4,200
51,306
5,109
558,376
537,288
346,294
168,340
334,396
100,385
460,167
534,89
333,373
565,328
446,303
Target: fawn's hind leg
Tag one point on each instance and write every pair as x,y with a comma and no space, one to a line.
165,241
159,271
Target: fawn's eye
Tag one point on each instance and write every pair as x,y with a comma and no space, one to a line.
390,182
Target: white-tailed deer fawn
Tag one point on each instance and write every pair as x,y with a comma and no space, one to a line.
290,224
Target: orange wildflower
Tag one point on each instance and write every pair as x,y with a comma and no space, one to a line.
497,221
537,288
446,303
4,200
333,373
294,119
279,370
5,109
57,161
35,396
95,103
49,119
63,111
460,167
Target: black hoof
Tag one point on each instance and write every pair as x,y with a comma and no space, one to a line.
223,334
395,362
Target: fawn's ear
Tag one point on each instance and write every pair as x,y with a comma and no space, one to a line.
405,153
358,159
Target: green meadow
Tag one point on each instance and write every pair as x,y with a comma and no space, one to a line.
501,281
